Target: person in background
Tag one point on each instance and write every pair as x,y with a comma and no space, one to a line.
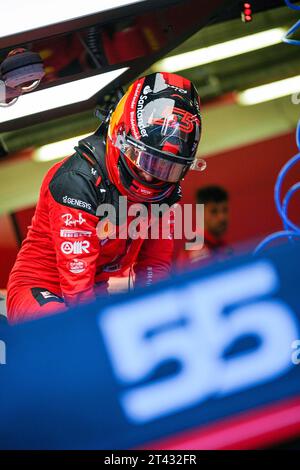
216,220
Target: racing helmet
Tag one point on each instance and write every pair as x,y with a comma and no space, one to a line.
155,128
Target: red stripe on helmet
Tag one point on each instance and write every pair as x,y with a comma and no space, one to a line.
171,148
176,80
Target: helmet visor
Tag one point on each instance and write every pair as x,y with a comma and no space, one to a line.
157,164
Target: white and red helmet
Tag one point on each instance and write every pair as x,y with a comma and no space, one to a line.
156,127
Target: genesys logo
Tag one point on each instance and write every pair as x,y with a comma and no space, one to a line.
76,248
195,329
76,202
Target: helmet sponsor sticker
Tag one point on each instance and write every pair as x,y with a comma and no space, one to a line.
176,88
136,107
147,90
139,114
182,119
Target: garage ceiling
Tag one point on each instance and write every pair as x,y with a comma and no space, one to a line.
226,123
246,70
213,80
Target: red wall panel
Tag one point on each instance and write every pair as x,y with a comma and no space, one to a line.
249,174
23,218
8,248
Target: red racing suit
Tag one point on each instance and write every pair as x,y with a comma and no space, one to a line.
62,262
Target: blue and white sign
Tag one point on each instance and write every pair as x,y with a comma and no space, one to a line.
134,369
190,326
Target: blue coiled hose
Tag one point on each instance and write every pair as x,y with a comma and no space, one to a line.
291,230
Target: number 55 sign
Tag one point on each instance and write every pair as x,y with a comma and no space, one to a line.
194,327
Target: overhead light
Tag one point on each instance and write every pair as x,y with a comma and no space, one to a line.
221,51
270,91
32,14
58,96
57,150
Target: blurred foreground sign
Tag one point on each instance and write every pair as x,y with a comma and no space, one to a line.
181,357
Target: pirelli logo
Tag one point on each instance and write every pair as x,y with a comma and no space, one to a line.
65,233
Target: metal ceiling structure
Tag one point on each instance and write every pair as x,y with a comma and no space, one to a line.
155,30
213,80
246,70
226,123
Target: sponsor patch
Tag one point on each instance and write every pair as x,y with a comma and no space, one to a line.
76,202
136,113
44,296
65,233
76,248
70,222
77,266
176,88
140,116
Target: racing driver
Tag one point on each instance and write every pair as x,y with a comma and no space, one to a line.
141,152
